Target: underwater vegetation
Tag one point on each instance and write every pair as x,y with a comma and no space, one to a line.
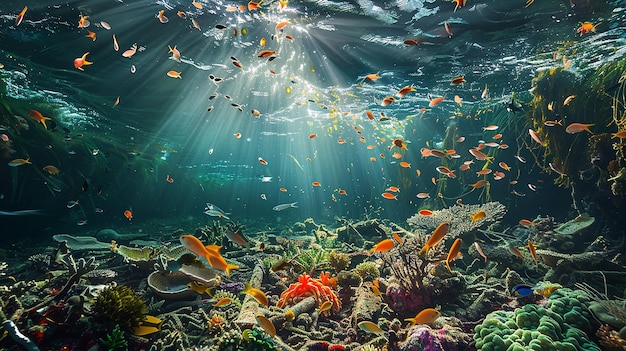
119,307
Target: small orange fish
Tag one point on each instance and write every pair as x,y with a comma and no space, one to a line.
37,116
483,172
405,164
83,21
535,136
478,216
455,251
480,251
435,237
458,80
504,166
459,3
526,223
369,115
256,113
175,53
162,18
342,192
568,100
316,184
516,252
621,134
372,76
20,16
262,161
282,25
79,62
578,127
128,214
266,53
393,189
223,302
174,74
313,135
91,35
479,184
533,252
389,196
284,190
586,27
257,294
404,91
237,135
197,5
423,195
169,179
426,316
397,238
253,5
491,127
388,101
436,101
425,212
383,246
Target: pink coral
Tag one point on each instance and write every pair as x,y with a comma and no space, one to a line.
307,286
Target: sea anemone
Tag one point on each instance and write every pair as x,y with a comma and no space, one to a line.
119,305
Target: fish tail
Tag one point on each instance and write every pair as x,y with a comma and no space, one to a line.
230,267
424,250
448,265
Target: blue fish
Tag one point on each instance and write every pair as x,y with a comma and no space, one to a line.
521,290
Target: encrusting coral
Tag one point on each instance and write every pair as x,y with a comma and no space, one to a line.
561,325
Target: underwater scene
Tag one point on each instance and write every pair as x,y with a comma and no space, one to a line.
313,175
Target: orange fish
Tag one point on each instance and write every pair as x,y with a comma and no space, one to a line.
237,135
161,16
480,156
197,5
313,135
256,113
284,190
266,53
621,134
20,16
257,294
578,127
435,237
526,223
169,179
423,195
425,212
516,252
426,316
478,216
369,114
383,246
404,164
262,161
533,251
128,214
458,80
535,136
568,99
342,192
37,116
388,101
478,184
586,27
483,172
491,127
91,35
316,184
459,3
174,74
223,302
372,76
175,53
397,238
282,25
504,166
446,26
389,196
407,89
210,252
79,62
393,189
83,21
480,251
455,251
436,101
252,5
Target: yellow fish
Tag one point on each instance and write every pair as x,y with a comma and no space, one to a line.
426,316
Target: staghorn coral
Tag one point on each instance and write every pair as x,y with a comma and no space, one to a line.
459,218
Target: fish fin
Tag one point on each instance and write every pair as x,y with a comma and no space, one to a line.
230,267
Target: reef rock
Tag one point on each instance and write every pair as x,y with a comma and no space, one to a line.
576,225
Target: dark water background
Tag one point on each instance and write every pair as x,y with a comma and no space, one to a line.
162,127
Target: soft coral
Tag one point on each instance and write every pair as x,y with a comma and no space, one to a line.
308,286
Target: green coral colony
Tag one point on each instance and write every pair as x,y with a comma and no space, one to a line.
453,276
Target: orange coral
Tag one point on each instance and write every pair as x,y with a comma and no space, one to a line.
307,286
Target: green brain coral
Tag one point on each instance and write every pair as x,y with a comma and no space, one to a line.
560,325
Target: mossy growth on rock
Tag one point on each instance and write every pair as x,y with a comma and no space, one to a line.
338,260
119,305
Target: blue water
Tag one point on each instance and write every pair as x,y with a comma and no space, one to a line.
315,85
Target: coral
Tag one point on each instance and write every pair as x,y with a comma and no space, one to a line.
448,338
367,270
119,305
459,218
248,340
560,325
115,340
610,339
338,260
307,286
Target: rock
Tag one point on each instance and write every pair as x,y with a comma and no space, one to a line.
575,225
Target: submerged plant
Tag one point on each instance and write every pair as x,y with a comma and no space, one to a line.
115,340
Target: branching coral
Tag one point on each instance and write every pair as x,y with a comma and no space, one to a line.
308,286
408,268
459,217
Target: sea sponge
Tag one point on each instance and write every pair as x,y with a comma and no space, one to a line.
367,270
338,260
533,327
119,305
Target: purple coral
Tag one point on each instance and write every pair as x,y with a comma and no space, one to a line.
422,338
234,288
401,300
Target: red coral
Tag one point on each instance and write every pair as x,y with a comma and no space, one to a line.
307,286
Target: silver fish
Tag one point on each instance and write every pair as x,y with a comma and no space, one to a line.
211,207
214,213
285,206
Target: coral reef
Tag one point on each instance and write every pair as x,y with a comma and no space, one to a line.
561,325
449,338
459,218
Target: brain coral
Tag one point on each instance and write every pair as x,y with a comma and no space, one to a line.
560,325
